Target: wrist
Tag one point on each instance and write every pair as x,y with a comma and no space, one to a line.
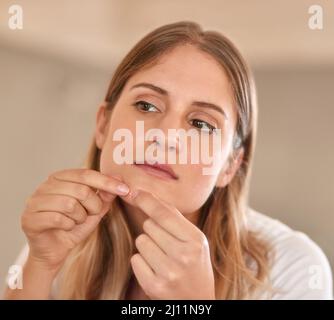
36,282
40,266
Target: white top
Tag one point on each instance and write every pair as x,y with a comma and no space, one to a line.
300,270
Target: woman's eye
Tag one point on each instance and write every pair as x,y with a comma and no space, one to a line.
204,126
145,106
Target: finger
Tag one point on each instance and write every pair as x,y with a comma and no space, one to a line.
89,199
161,237
67,205
94,179
142,271
106,196
153,255
167,216
81,231
38,222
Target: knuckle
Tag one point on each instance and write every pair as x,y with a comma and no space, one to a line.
147,224
155,288
185,259
81,218
51,177
44,185
39,189
97,209
84,174
201,237
186,255
55,173
201,241
141,239
28,202
171,276
84,192
69,204
57,219
196,248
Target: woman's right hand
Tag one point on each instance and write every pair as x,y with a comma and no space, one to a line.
64,210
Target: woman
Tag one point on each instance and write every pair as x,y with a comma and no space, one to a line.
116,230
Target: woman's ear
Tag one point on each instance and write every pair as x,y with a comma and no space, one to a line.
227,173
101,129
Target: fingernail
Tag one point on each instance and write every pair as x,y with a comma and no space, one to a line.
123,189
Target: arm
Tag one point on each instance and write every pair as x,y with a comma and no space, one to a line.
37,282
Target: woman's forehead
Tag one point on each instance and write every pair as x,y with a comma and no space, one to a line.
189,74
189,68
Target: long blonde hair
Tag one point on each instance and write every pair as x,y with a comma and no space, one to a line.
99,268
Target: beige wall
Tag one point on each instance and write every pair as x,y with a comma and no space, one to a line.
293,171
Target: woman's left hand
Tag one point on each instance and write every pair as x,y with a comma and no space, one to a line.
173,259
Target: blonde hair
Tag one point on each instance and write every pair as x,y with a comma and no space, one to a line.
99,268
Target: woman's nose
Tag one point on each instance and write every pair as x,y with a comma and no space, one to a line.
169,139
170,142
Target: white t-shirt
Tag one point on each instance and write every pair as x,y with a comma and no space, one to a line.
300,270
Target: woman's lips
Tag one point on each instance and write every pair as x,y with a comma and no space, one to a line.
159,170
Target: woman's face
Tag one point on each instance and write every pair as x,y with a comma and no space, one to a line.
185,76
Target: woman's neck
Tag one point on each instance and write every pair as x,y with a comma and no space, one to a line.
136,218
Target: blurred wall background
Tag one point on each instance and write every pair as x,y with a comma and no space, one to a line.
55,71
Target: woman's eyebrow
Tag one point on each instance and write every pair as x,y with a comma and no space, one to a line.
194,103
152,87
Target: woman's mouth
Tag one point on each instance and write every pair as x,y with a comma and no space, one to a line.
162,171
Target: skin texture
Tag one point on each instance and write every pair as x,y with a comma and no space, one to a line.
173,260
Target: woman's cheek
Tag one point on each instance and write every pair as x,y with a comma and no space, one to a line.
196,188
108,165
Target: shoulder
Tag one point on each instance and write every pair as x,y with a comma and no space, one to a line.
300,269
